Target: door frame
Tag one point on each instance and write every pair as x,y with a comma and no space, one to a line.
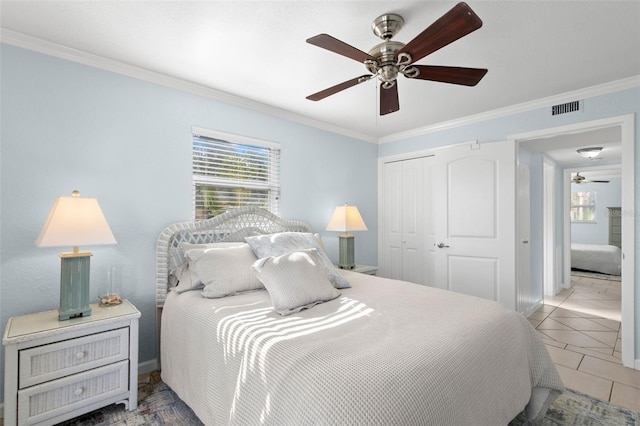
550,286
627,125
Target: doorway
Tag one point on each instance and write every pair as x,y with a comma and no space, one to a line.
625,126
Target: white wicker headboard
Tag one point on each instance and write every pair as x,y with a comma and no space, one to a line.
233,225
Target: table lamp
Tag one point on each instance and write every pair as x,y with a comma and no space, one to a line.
75,221
346,218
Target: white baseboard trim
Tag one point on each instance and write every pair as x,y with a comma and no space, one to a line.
143,368
532,309
148,366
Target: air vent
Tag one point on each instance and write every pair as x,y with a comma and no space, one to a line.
565,108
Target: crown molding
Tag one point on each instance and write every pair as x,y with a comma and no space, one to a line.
589,92
78,56
74,55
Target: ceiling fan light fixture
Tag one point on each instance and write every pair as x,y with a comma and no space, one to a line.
591,152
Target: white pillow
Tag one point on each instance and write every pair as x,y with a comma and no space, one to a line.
183,277
187,279
295,281
287,242
224,271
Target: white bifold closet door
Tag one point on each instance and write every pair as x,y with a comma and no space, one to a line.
449,220
407,254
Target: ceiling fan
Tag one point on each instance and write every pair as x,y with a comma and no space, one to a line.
578,178
390,58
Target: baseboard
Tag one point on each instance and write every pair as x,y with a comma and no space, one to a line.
532,309
148,366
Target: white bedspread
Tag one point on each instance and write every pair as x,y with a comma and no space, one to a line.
385,352
595,257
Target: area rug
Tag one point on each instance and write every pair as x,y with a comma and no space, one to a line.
160,406
157,405
575,408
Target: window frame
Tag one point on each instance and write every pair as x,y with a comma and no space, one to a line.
592,205
271,184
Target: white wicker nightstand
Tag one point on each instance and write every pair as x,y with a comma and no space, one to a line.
56,370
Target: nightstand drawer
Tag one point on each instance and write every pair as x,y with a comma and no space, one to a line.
48,400
48,362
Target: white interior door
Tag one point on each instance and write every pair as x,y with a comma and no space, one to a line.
407,223
549,273
428,217
391,265
412,221
526,299
474,189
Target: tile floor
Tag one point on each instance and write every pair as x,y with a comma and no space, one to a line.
581,328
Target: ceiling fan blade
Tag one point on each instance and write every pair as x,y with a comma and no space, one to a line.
341,48
454,75
456,23
599,181
389,100
339,87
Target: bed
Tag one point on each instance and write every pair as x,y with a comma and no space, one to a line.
381,351
605,259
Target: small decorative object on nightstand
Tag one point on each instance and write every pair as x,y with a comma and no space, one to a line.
56,370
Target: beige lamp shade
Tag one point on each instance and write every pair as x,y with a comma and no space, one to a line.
75,221
346,218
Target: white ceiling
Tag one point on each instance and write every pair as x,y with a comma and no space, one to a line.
256,51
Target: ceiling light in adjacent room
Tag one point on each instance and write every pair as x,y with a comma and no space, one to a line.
590,153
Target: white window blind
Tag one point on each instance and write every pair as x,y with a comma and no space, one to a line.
233,171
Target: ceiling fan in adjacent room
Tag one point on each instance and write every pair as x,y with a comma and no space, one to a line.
389,59
578,178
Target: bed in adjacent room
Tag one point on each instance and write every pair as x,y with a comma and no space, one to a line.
605,259
363,350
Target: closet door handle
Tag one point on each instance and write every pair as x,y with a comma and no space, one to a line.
442,245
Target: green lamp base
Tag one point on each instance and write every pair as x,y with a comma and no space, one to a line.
74,285
346,256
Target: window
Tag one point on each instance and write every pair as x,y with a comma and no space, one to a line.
583,206
233,171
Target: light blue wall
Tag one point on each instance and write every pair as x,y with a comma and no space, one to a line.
126,142
607,195
498,129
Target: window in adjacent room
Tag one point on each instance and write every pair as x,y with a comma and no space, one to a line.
583,206
233,171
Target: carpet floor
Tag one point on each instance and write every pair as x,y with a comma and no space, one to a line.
158,405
